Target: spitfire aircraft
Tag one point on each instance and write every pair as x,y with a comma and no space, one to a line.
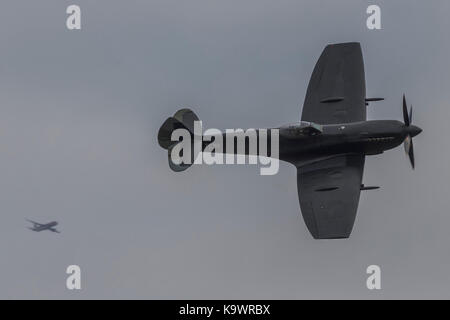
329,145
38,227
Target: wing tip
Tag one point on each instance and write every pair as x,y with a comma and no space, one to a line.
340,237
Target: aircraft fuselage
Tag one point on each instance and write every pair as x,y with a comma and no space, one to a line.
367,137
46,226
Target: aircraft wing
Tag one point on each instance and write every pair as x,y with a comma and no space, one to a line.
328,191
53,230
36,224
337,89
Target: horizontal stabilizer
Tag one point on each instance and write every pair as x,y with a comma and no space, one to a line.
182,119
178,165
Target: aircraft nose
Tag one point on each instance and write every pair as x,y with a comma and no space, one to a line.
414,130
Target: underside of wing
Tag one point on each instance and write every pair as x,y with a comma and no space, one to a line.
35,224
337,90
328,191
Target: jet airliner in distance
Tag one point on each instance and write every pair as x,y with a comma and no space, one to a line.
38,227
329,144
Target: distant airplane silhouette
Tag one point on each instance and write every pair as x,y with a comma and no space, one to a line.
38,227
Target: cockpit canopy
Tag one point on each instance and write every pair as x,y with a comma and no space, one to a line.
302,128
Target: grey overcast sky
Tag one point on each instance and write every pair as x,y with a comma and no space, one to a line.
80,112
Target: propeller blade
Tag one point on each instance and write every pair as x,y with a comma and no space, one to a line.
409,149
407,144
405,112
411,154
410,115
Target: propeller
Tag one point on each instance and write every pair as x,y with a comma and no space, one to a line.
412,132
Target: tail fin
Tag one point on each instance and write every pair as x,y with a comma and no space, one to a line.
184,119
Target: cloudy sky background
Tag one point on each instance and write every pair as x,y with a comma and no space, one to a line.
80,111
